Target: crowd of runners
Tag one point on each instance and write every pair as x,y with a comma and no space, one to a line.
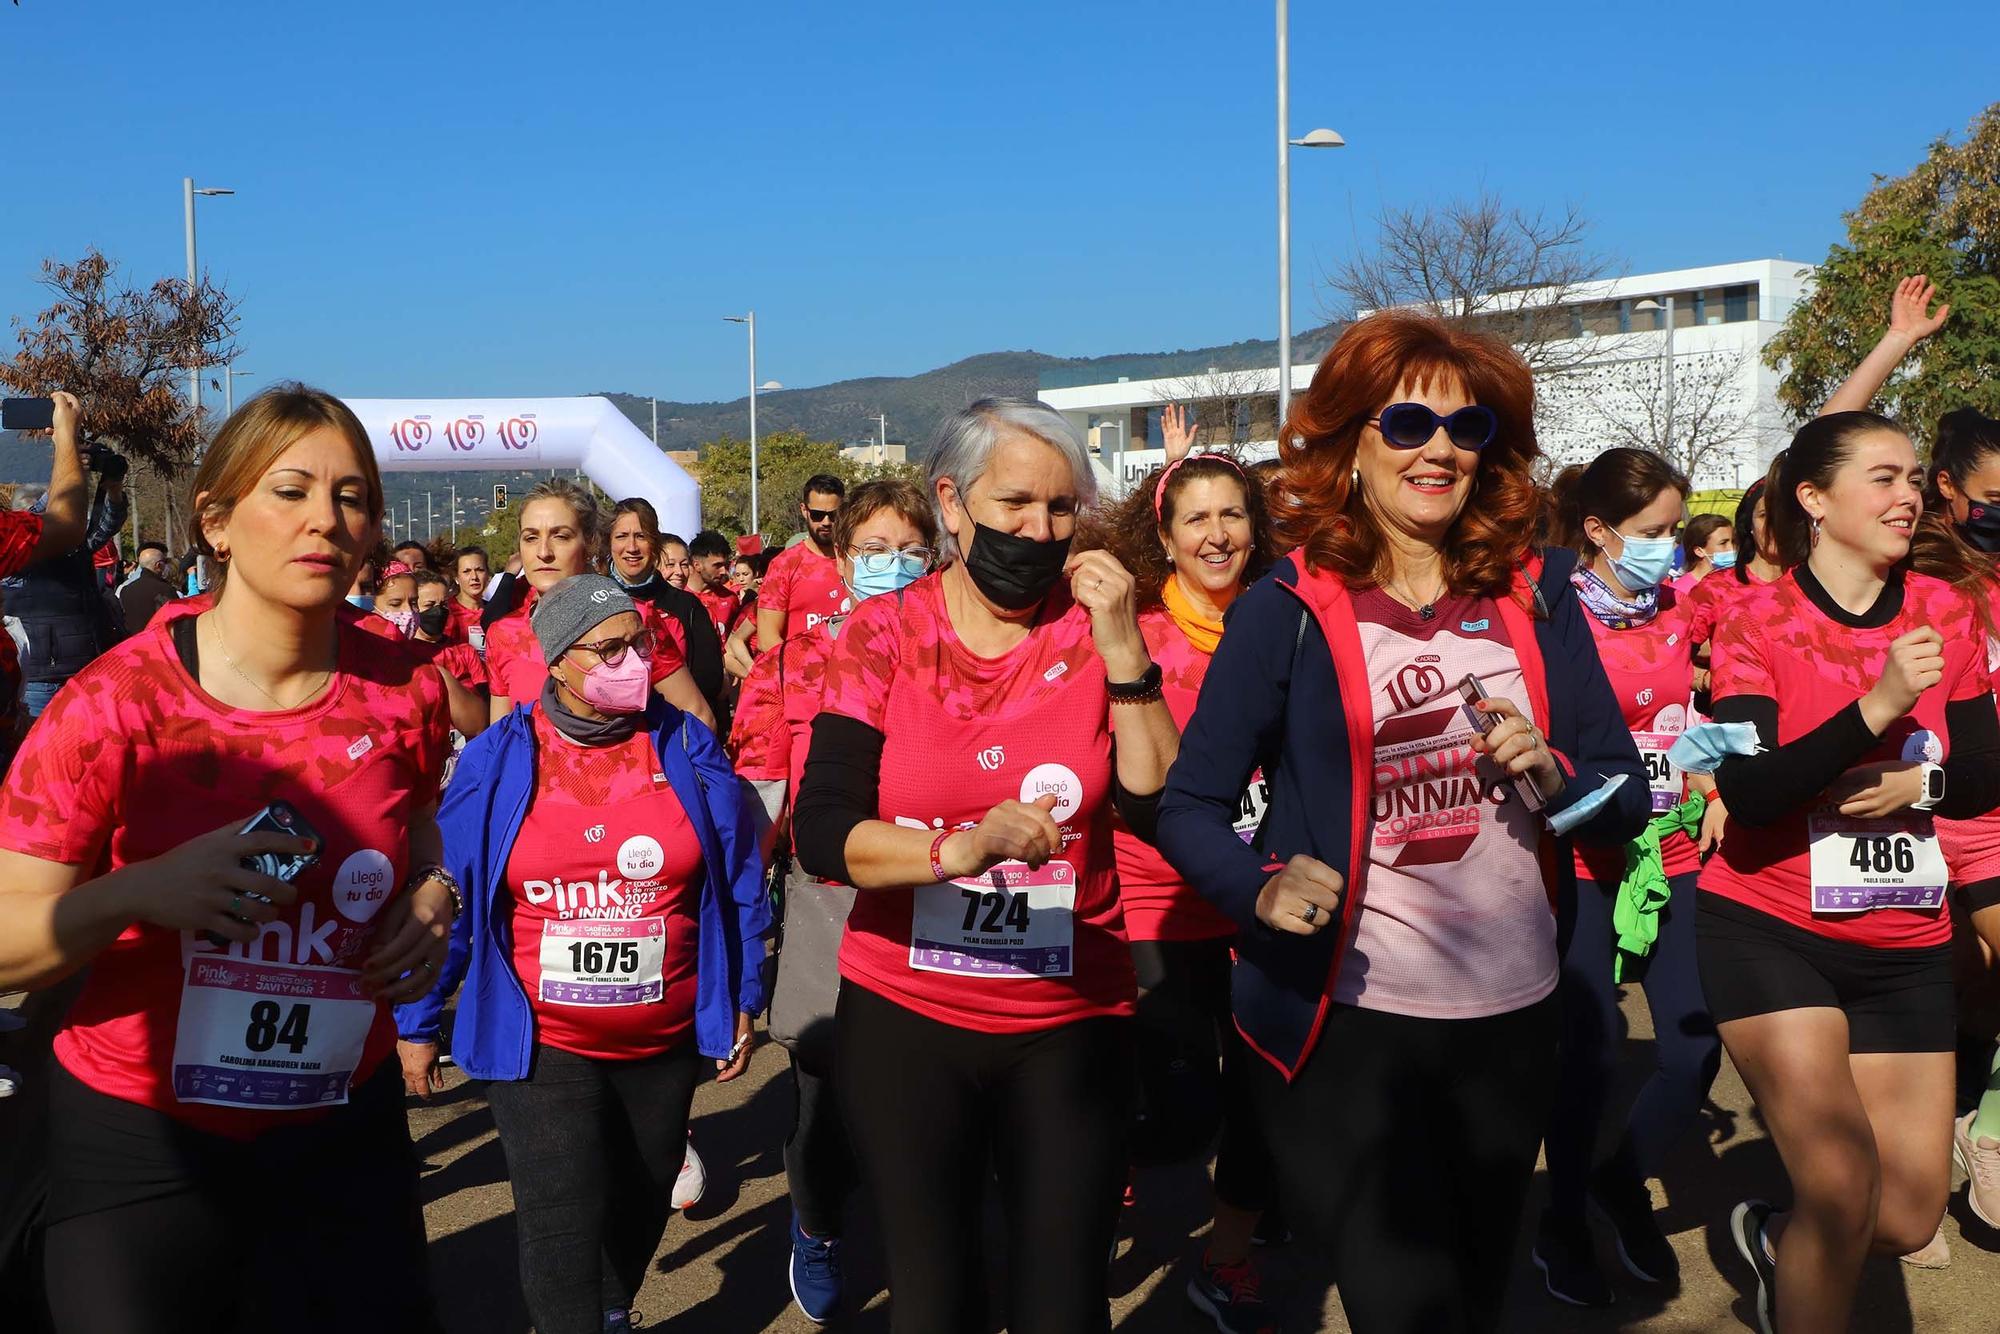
1310,817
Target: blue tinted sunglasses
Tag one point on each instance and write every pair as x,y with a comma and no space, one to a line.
1411,425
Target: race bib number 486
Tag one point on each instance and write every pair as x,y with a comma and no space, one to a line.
1861,865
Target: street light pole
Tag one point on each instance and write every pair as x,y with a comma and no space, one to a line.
454,518
1316,139
188,192
750,319
1666,304
656,423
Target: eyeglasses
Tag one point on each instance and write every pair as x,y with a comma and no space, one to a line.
881,560
611,652
820,516
1411,426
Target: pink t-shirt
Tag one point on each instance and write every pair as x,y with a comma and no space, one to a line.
1454,919
1015,950
806,586
132,760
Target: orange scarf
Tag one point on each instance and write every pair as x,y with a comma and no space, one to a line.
1202,632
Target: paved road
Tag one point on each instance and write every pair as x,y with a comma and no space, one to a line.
721,1267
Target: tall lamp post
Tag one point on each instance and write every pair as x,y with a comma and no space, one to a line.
1316,139
188,191
1667,367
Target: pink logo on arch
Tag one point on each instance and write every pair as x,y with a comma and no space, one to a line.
465,433
519,432
411,434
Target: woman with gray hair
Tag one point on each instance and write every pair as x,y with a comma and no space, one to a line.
962,776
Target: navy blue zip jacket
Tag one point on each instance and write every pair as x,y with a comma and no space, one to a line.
482,810
1292,638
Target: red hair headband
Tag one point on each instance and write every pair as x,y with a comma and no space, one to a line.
1160,487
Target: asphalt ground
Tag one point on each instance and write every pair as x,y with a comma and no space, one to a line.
722,1264
721,1267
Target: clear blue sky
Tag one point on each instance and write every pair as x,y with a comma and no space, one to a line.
460,198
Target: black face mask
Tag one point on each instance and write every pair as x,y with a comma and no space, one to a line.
1982,528
1013,572
431,620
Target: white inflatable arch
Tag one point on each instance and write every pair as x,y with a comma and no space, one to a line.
511,434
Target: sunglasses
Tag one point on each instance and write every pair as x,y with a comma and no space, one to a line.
820,516
1411,426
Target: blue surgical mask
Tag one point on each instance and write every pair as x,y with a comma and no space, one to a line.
879,572
1723,560
1703,747
1574,814
1644,562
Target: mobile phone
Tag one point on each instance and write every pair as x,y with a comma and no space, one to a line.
27,414
1470,691
281,817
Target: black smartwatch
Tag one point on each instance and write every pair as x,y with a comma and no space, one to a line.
1142,691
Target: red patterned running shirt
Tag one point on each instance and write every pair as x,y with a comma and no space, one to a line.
1776,644
19,531
516,668
774,712
805,585
1159,905
603,880
1651,668
131,760
1015,950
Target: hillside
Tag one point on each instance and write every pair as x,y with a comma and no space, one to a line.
844,410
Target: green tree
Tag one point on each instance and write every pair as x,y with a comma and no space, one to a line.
785,460
1942,219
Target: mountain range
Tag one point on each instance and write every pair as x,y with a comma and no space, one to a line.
847,409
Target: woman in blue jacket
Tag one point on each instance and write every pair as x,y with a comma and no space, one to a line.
1426,703
612,938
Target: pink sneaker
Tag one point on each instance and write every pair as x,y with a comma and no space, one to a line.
1981,1163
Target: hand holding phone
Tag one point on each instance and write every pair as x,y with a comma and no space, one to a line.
1485,722
27,414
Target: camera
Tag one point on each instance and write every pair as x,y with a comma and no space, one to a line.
104,459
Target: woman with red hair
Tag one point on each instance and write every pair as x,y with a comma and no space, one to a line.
1421,691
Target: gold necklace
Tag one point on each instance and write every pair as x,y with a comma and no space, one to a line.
244,676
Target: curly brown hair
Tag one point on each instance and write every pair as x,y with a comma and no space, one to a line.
1133,532
1316,509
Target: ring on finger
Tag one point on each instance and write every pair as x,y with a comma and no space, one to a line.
1311,914
235,902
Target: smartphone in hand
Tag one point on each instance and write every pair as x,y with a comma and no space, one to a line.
27,414
1472,692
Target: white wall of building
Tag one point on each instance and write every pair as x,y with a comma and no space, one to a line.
1617,376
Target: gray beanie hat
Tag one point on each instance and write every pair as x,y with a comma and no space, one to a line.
566,612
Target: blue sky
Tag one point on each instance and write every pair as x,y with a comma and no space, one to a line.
457,198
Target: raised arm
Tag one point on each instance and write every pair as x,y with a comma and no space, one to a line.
1909,324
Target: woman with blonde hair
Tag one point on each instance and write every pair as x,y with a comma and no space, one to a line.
227,1062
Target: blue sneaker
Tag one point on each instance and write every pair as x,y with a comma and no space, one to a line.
815,1274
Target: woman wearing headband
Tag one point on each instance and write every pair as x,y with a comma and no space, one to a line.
1420,690
1194,536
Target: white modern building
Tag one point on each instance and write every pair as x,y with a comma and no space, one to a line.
1696,389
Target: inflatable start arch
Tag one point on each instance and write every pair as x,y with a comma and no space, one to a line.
511,434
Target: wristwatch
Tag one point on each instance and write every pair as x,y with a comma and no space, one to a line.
1142,691
1933,775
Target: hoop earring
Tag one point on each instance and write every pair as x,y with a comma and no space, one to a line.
1815,532
1354,479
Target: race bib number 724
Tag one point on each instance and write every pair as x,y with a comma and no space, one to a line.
1010,922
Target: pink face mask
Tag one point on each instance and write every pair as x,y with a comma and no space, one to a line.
618,689
405,621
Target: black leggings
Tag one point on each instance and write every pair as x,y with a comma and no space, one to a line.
933,1109
155,1228
593,1148
1687,1053
1409,1145
1194,1072
819,1162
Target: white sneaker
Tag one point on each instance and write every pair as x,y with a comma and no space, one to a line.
1933,1254
1980,1161
10,1081
692,1181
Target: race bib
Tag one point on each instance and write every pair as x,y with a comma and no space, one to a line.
476,636
1663,776
1010,922
1250,811
269,1035
604,962
1860,865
